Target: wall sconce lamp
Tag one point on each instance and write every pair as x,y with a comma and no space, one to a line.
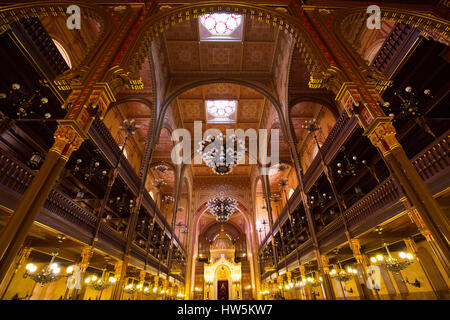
416,283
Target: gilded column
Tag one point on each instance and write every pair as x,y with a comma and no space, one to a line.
362,265
306,286
326,277
116,294
13,235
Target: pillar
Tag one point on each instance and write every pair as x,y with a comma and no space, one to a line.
142,275
67,140
428,214
418,221
328,284
307,286
362,264
440,288
20,260
117,292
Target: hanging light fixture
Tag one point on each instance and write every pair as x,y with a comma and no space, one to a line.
343,275
352,166
161,168
101,283
404,260
221,156
130,288
159,183
50,273
222,207
21,105
409,104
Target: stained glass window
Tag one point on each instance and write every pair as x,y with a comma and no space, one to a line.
221,24
221,27
221,110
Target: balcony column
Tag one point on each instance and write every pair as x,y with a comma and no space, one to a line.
14,234
362,264
156,285
329,293
15,267
306,287
439,286
178,185
132,221
117,292
142,275
428,211
266,192
326,279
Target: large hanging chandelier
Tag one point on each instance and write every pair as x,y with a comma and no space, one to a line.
222,207
393,264
50,273
219,155
100,284
404,260
343,275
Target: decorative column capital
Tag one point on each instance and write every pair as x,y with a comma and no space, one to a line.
85,103
355,245
302,269
67,140
118,268
415,217
325,263
86,255
23,256
382,135
411,245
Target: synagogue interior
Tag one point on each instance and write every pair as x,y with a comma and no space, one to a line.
224,150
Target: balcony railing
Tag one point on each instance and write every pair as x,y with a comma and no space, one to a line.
100,134
383,202
60,211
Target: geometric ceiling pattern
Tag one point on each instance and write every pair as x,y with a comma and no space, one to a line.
254,54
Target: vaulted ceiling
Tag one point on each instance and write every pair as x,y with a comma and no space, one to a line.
252,56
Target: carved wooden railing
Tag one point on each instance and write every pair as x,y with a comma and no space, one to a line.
343,128
435,159
60,211
102,137
394,47
44,43
384,195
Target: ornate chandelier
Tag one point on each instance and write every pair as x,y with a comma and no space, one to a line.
50,273
222,207
388,261
343,275
393,264
219,156
100,284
